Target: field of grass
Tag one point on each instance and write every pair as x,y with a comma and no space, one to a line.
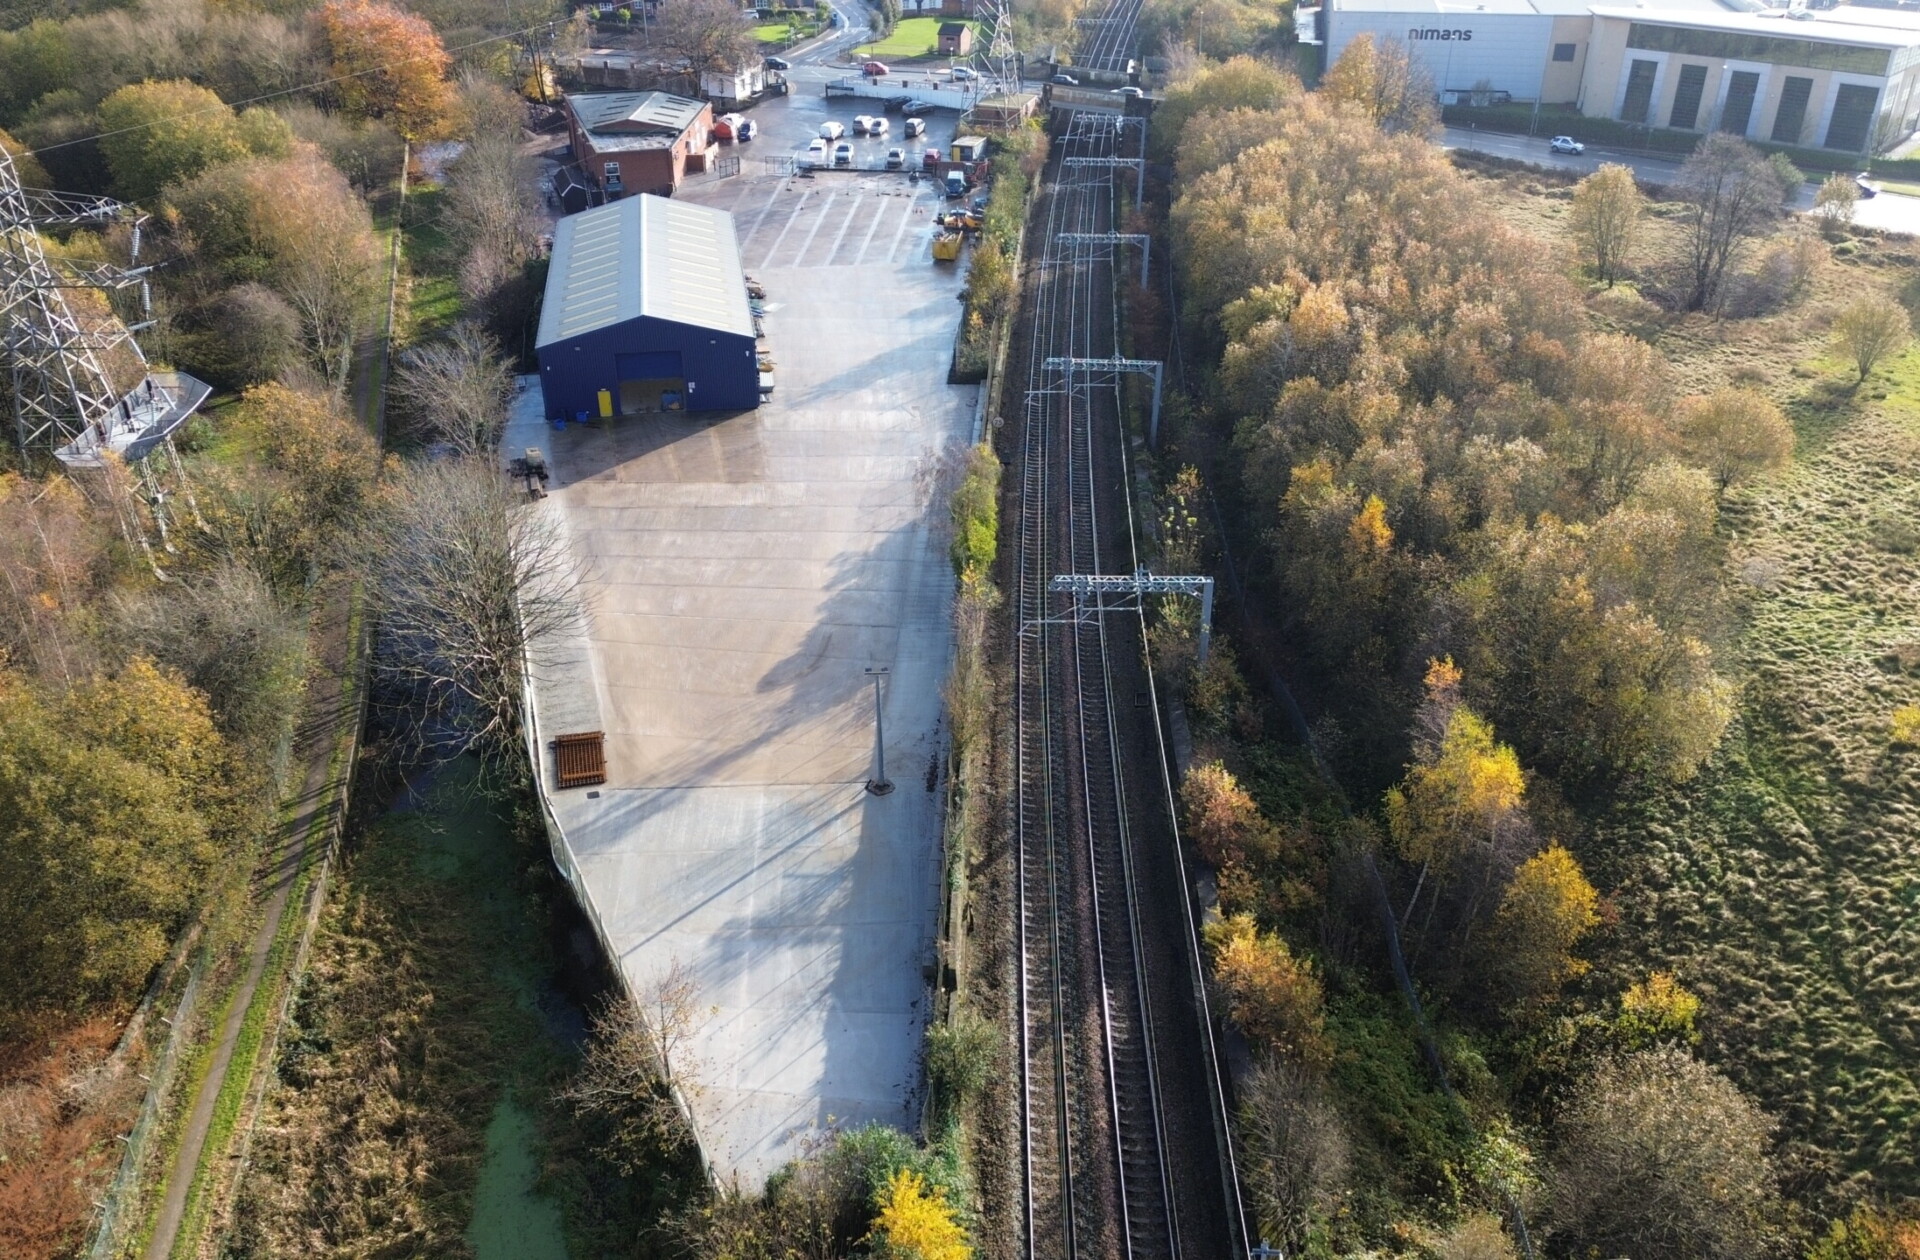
913,37
1783,884
779,34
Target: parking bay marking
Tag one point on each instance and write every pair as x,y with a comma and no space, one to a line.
878,219
817,223
799,204
853,212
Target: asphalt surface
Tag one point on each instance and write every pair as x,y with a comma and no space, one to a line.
1888,212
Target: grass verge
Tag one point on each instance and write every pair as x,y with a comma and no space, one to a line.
912,37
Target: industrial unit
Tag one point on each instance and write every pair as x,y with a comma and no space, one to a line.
1841,77
646,310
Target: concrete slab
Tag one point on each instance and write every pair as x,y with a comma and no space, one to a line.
741,571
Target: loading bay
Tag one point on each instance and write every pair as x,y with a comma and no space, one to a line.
740,574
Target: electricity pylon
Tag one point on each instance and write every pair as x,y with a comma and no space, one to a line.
64,400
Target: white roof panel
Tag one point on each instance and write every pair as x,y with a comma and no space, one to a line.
646,255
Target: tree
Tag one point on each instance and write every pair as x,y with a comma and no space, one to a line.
1384,80
1470,787
1295,1151
626,1079
1275,998
1475,1237
114,814
252,335
25,165
1239,83
1607,206
1656,1009
156,134
1734,433
1221,818
1733,192
471,590
1869,1233
456,389
1835,203
1662,1158
490,198
53,546
915,1223
709,34
387,63
1869,330
1545,911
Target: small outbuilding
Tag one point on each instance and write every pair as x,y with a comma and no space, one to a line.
646,310
956,39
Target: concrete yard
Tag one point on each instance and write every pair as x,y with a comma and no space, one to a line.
741,571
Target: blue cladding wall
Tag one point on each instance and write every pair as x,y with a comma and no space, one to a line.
722,373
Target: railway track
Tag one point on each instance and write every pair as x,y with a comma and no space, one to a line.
1123,1156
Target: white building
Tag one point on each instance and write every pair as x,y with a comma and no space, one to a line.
1842,78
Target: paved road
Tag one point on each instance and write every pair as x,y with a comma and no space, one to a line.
1889,212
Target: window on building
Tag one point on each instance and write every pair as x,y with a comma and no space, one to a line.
1639,91
1742,87
1791,117
1686,97
1854,107
1564,52
613,170
1688,41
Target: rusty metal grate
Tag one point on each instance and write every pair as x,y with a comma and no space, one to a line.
580,760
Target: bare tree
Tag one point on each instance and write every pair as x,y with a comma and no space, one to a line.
1662,1158
636,1071
1734,191
456,389
1836,202
1296,1148
1870,330
1606,218
474,587
490,197
709,34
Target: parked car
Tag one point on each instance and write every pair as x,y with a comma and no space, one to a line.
746,131
862,124
778,63
1130,93
843,154
896,159
914,109
817,153
878,126
914,127
897,103
1065,80
963,74
874,69
1866,187
956,184
1566,144
931,160
831,130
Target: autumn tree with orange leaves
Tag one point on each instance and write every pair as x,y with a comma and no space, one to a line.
388,64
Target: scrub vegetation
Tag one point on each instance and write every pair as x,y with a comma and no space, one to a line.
1574,518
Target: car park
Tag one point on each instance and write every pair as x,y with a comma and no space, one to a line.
843,154
874,69
1065,80
862,124
778,63
1566,144
914,127
896,159
878,126
831,130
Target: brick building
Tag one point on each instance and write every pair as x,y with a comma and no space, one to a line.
639,142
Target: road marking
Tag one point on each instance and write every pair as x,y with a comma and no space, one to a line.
825,206
853,212
913,212
878,219
767,209
799,203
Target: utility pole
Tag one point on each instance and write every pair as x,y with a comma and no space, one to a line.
879,785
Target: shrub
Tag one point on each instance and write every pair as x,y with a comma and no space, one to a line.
914,1224
1274,997
962,1056
1906,726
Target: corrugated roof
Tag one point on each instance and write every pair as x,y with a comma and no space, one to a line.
1835,26
644,256
630,113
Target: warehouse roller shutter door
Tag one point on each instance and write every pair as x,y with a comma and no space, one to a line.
650,381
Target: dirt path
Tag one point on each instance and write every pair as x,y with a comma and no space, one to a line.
315,740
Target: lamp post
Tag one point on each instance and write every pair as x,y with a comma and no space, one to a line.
878,785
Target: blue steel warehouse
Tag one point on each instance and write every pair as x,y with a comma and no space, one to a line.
646,309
